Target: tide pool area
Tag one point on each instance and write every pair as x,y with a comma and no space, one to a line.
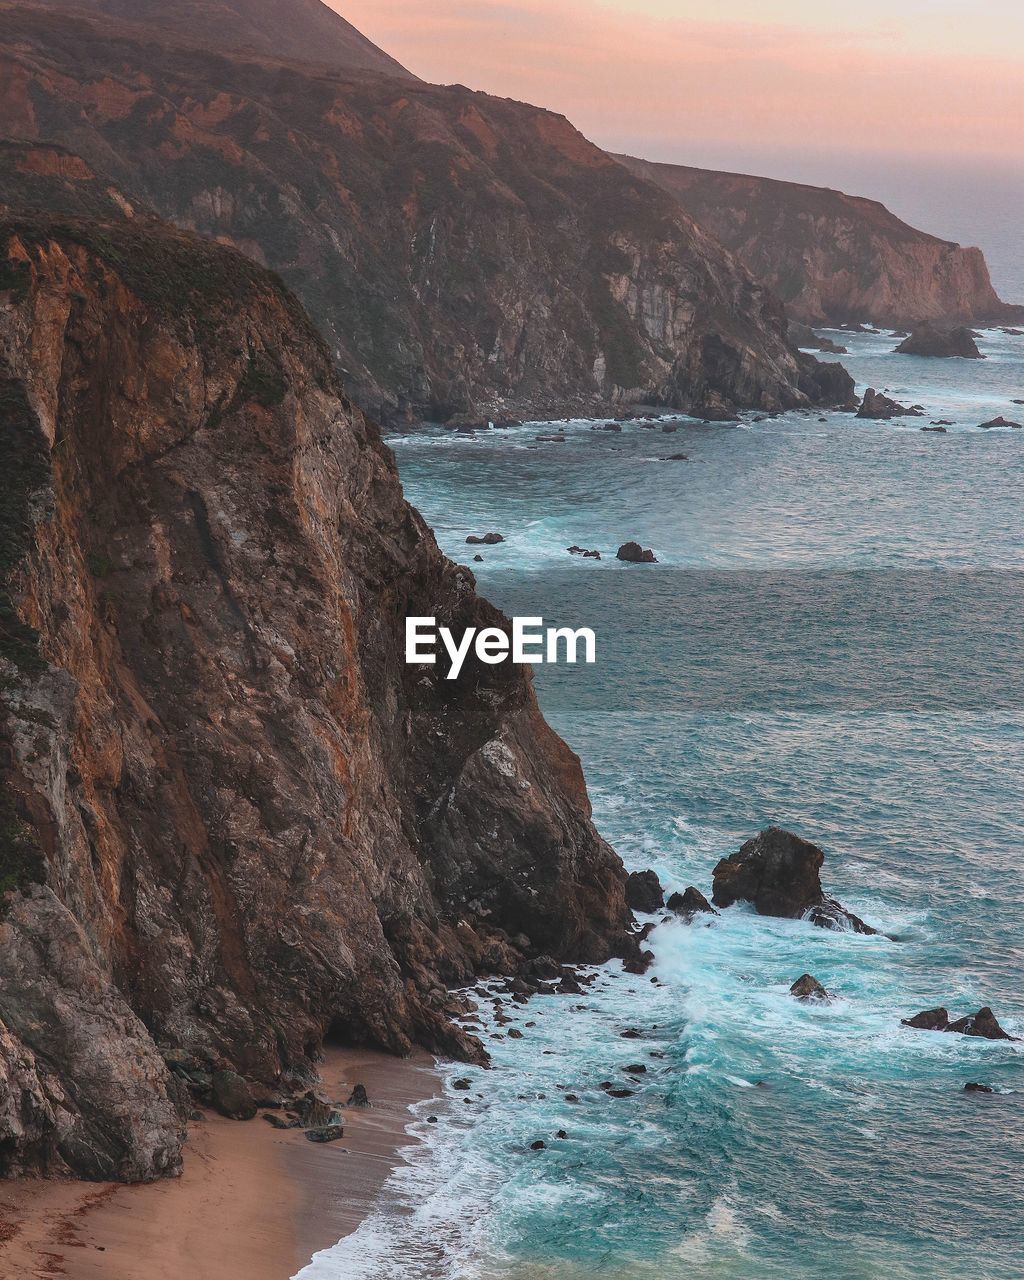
830,641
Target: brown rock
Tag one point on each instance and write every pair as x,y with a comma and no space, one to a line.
633,553
691,902
930,340
644,891
811,990
778,872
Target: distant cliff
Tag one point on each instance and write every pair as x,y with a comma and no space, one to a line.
833,257
232,821
463,254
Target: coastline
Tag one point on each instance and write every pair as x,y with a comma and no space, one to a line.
253,1203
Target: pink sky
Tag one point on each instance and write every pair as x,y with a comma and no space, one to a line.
659,77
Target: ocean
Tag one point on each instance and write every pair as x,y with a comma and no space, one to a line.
830,641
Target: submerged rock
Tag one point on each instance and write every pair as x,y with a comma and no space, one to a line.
634,553
691,902
644,891
778,873
929,340
810,989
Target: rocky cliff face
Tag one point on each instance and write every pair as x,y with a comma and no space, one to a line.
831,257
463,254
232,821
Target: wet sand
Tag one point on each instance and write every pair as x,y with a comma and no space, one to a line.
253,1203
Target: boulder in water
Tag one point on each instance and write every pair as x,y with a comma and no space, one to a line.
982,1024
634,553
778,873
810,990
1000,422
929,340
880,408
691,902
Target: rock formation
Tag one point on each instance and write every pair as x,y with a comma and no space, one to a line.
690,903
232,821
644,892
810,990
831,257
982,1024
778,873
803,336
634,553
462,254
879,407
931,340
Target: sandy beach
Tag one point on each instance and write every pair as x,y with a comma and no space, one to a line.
253,1203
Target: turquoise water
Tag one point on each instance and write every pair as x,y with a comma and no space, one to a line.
831,641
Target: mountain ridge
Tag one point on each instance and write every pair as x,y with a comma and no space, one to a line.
466,256
303,30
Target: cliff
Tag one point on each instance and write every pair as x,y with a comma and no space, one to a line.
306,30
831,257
462,254
232,822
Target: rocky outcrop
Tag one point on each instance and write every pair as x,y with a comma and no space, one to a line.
982,1024
232,821
644,891
881,408
810,990
634,553
931,340
803,336
690,903
465,256
831,257
778,873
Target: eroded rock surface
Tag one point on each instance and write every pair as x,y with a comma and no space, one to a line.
779,874
233,819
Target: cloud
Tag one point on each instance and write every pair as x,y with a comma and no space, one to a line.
651,83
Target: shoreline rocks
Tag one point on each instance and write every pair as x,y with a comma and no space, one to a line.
778,873
644,891
690,903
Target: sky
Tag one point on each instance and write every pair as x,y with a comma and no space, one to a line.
924,77
917,102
